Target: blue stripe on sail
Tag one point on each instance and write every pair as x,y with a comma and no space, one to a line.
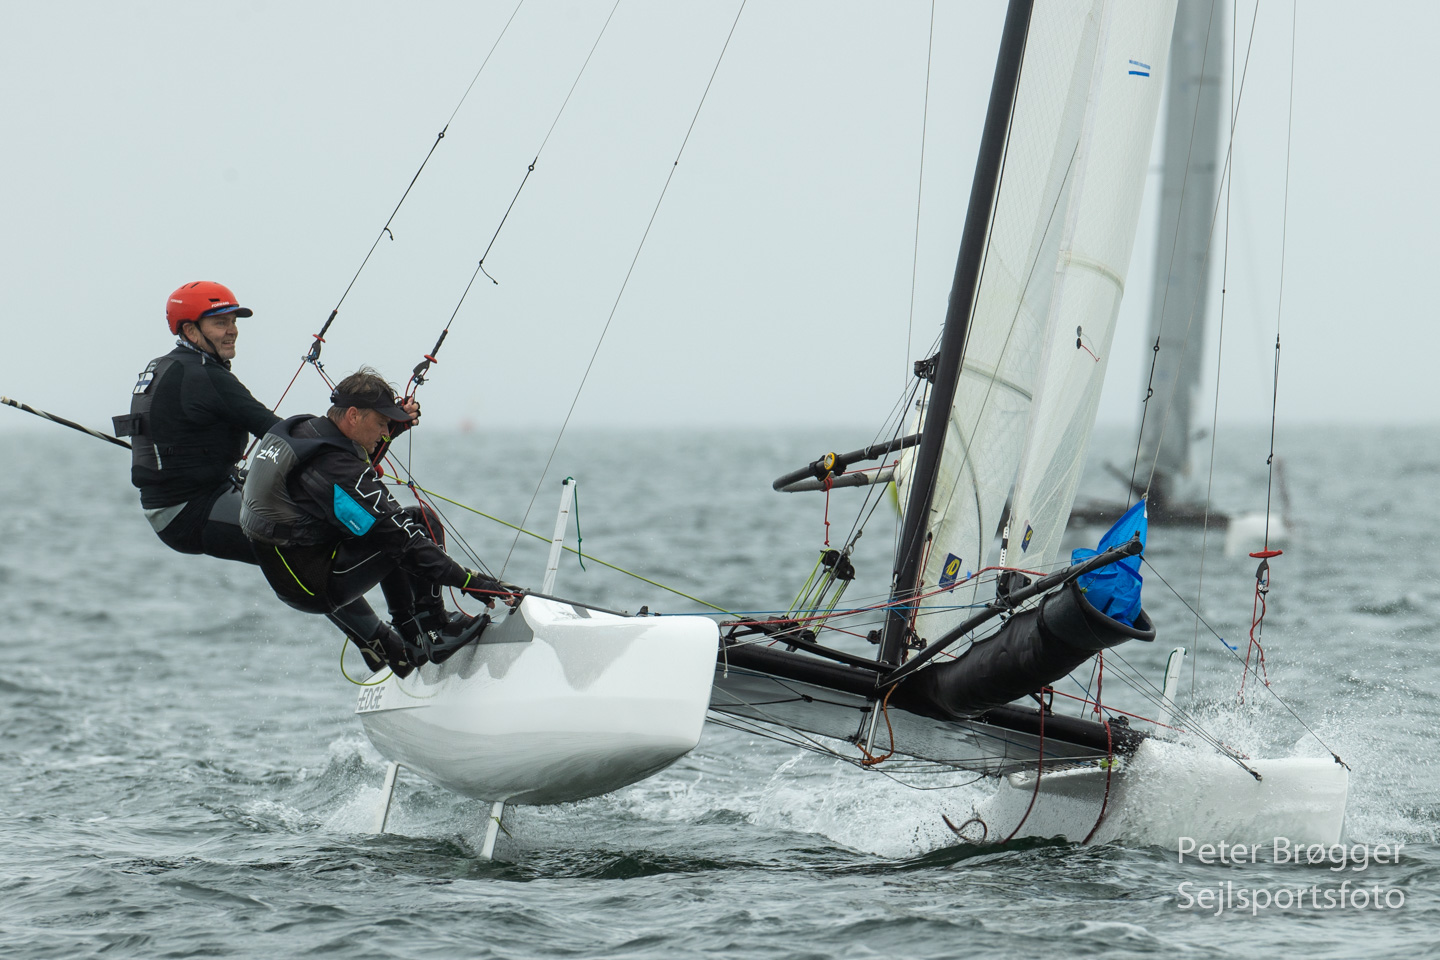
1138,73
1137,63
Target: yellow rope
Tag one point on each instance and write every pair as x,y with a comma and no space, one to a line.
359,683
805,590
531,533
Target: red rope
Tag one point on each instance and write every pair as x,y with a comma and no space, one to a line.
829,483
1257,618
1039,769
887,604
1087,700
1109,769
915,601
286,393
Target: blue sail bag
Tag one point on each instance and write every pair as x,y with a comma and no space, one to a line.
1115,590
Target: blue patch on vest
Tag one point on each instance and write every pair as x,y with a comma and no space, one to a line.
355,517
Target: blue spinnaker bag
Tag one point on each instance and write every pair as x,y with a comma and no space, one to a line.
1115,590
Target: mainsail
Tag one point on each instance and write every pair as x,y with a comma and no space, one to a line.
1055,254
1187,206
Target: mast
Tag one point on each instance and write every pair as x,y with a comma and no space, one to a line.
983,192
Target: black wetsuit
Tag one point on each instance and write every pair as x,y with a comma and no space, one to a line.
190,421
326,530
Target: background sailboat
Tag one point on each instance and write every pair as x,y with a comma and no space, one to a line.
1189,179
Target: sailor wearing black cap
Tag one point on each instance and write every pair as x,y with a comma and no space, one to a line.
326,530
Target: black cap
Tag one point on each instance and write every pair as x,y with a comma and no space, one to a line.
383,402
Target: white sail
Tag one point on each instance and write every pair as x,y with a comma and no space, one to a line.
1007,326
1187,208
1066,106
1098,237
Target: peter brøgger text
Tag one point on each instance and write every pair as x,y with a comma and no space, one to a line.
1230,896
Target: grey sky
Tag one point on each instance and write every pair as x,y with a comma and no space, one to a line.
263,145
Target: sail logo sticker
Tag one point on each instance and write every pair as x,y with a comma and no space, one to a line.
1025,542
951,572
1138,69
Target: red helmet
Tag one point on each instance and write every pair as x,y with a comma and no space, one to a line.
201,299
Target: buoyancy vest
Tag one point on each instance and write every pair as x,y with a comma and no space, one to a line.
173,458
268,513
145,454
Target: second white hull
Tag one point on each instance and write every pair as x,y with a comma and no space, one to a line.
1169,791
553,704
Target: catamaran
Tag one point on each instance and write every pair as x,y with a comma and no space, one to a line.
559,701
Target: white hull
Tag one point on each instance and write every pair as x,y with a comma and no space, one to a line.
1168,791
554,703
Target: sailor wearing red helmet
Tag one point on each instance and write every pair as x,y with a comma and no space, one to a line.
189,422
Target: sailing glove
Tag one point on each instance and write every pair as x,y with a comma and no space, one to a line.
489,589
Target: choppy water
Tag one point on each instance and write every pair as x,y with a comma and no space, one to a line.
181,773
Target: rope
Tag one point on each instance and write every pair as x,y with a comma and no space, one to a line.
575,499
1280,298
1215,411
919,191
1204,266
345,642
1234,653
1039,769
1174,244
63,422
1257,623
829,485
870,759
1086,701
1009,333
593,559
423,367
624,284
1099,679
313,356
1109,769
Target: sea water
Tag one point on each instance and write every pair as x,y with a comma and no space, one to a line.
182,773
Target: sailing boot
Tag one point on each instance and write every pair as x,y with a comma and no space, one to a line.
388,647
443,632
374,659
412,635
